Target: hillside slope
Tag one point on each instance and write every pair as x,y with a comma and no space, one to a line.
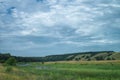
82,56
85,56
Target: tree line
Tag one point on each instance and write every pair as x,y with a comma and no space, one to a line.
61,57
6,56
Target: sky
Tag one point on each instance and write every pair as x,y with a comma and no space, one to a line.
48,27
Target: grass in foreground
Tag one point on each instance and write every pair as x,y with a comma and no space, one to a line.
85,70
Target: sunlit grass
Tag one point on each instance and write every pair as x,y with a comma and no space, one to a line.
72,70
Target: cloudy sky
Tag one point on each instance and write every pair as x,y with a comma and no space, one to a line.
45,27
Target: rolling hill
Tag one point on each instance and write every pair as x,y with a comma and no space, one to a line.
81,56
85,56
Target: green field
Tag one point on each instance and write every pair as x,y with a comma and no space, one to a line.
72,70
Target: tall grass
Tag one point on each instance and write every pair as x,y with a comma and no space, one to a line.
104,70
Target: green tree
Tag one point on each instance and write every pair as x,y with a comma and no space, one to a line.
11,61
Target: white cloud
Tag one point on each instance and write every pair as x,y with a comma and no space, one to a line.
80,17
29,32
105,41
61,19
110,5
72,16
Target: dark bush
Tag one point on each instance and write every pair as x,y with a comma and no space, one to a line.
11,61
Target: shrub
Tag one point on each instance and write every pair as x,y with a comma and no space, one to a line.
42,62
11,61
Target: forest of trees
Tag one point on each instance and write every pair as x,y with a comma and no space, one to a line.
5,56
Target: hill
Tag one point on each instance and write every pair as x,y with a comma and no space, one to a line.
85,56
81,56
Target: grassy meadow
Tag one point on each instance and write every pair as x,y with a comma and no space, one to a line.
64,70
